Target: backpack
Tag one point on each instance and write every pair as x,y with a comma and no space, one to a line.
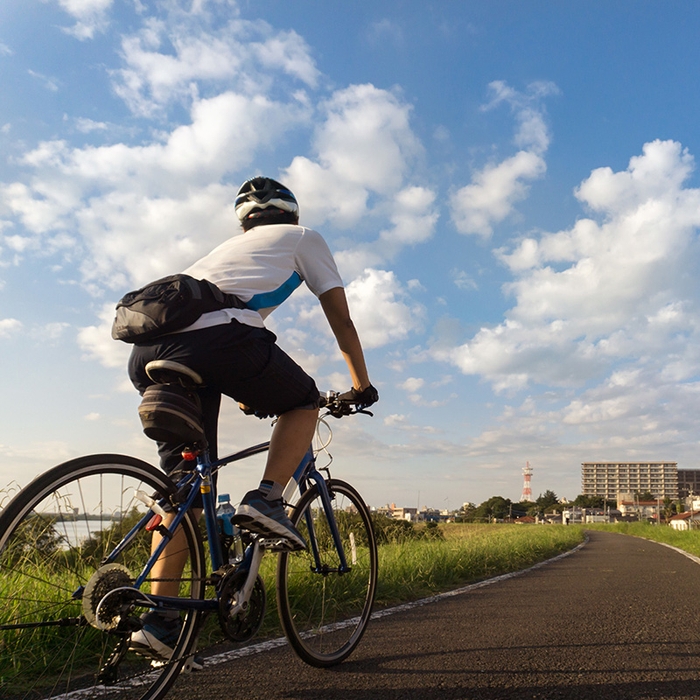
167,305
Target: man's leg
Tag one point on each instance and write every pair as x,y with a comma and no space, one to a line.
262,510
290,440
171,563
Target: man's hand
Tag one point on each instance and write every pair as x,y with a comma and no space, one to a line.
362,399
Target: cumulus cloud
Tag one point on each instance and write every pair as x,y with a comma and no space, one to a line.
365,146
97,343
413,219
90,16
9,326
494,190
615,290
172,60
381,308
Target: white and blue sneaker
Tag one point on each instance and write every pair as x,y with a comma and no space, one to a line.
269,519
157,639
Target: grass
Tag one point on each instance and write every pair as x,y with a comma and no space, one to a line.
467,554
687,540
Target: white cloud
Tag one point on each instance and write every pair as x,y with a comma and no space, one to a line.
91,16
50,332
174,59
50,84
490,197
600,293
381,308
364,147
412,384
494,190
9,326
86,126
289,52
463,280
413,219
97,342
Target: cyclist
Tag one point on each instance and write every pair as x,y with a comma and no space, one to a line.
237,356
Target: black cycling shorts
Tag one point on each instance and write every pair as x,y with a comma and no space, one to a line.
239,361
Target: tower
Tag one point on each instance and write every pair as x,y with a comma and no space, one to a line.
527,475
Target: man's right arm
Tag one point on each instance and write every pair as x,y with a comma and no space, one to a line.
335,306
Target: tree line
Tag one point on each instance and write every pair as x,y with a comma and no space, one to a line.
500,508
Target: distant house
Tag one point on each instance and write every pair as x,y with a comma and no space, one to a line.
685,521
641,510
525,520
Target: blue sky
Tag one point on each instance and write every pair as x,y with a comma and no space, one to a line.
510,189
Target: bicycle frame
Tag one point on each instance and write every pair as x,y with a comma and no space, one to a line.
200,482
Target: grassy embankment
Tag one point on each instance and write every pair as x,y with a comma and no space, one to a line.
688,540
467,553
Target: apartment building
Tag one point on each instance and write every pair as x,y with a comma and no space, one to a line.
688,482
610,479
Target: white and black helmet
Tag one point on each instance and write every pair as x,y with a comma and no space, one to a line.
262,197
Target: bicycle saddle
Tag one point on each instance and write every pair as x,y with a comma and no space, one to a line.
169,372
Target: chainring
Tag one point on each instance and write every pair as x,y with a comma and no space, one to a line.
242,626
105,607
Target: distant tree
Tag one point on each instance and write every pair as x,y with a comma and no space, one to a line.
464,514
669,509
582,501
645,496
546,501
496,508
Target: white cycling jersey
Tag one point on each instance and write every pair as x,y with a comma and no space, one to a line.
262,267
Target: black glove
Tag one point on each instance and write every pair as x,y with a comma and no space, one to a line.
362,399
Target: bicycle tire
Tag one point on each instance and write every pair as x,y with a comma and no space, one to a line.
324,614
49,551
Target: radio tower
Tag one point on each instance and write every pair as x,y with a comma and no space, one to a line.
527,475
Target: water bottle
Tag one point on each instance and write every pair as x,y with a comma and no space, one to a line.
229,535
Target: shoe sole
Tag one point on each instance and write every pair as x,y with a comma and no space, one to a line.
145,644
255,521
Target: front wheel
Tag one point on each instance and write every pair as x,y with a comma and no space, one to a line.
323,610
54,582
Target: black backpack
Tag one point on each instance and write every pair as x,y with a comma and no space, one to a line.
166,305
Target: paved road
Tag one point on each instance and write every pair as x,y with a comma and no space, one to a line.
616,620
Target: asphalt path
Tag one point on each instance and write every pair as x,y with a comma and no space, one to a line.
616,619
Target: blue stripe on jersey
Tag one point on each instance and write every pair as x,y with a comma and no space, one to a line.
267,300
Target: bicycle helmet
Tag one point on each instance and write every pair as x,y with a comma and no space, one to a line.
263,200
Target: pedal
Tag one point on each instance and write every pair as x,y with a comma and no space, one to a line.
280,544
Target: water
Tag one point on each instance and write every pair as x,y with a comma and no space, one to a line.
76,532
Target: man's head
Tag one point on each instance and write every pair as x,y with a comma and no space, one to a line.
262,200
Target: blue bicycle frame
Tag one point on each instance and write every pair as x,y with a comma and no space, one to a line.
201,482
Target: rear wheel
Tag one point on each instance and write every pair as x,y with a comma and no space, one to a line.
324,611
54,536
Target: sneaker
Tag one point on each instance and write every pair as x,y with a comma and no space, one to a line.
157,639
269,519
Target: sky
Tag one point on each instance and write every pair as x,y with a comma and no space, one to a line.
510,190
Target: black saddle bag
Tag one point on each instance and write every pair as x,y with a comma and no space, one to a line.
171,413
167,305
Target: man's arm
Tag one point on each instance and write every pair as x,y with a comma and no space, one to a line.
335,306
